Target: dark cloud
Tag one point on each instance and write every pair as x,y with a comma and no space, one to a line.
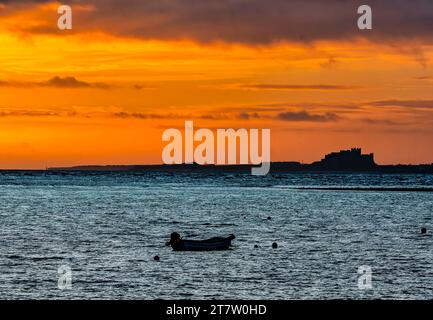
284,105
253,108
144,116
255,21
424,78
299,116
258,21
332,62
214,116
319,87
15,84
23,1
427,104
56,82
67,82
142,86
206,116
380,122
28,114
248,116
72,82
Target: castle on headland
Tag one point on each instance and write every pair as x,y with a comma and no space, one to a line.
343,161
352,159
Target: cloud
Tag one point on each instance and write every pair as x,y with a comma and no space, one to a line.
4,114
136,115
319,87
414,51
206,116
299,116
281,106
56,82
330,63
15,84
72,82
248,116
252,108
145,116
423,78
23,1
380,122
67,82
214,116
425,104
254,21
142,86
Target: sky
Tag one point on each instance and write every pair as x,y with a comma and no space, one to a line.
104,92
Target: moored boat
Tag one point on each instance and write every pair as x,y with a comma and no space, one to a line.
212,244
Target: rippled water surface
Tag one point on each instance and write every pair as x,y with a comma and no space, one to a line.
108,227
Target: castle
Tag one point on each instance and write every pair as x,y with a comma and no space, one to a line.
352,159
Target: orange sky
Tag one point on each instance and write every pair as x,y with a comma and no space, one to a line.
96,97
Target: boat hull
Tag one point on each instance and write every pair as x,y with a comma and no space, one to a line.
214,244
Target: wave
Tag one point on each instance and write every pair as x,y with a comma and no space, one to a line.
375,189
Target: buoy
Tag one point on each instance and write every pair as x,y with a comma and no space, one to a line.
269,218
423,230
275,245
156,258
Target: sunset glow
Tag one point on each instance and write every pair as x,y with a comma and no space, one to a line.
97,96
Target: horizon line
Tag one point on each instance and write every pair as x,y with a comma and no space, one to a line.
186,164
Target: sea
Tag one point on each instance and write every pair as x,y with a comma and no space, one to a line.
94,235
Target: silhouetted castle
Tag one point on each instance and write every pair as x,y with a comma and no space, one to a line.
346,160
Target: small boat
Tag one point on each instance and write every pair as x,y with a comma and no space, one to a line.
216,243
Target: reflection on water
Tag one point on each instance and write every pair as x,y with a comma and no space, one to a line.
108,228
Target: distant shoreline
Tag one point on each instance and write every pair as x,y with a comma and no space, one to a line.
275,167
349,161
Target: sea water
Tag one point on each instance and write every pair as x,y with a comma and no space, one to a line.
107,227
